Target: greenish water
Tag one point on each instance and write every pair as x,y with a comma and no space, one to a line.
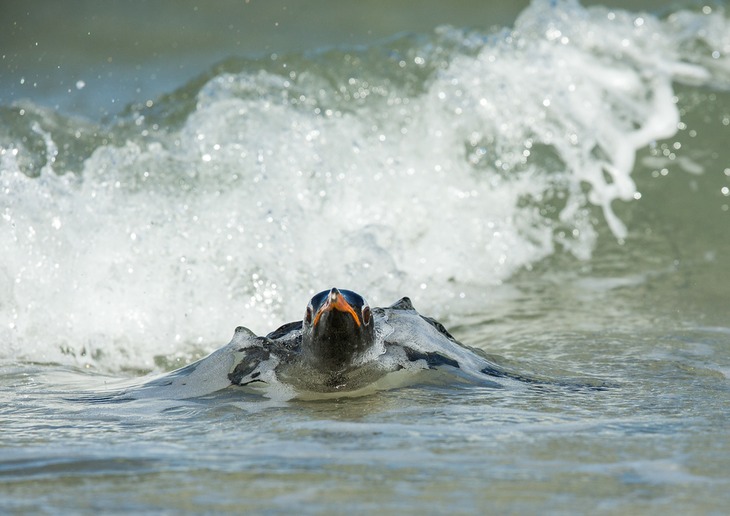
555,192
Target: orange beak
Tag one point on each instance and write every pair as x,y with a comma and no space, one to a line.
335,301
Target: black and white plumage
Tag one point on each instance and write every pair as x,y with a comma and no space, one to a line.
341,347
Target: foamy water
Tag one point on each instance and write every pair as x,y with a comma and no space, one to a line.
433,169
556,192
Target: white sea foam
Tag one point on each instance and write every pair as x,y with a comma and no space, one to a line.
283,182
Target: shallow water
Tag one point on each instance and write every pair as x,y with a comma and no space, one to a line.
555,192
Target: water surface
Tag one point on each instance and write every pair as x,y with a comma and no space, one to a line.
556,192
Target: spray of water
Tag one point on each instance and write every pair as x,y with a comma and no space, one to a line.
433,168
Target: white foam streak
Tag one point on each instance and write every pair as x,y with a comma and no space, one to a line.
275,187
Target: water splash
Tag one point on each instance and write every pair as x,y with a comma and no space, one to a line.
431,167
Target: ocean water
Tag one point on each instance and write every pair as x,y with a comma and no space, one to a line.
550,180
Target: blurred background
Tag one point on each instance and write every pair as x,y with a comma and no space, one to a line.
93,58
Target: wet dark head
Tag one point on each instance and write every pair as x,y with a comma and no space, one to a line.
338,329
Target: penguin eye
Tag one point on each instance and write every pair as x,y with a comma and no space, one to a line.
308,315
366,315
